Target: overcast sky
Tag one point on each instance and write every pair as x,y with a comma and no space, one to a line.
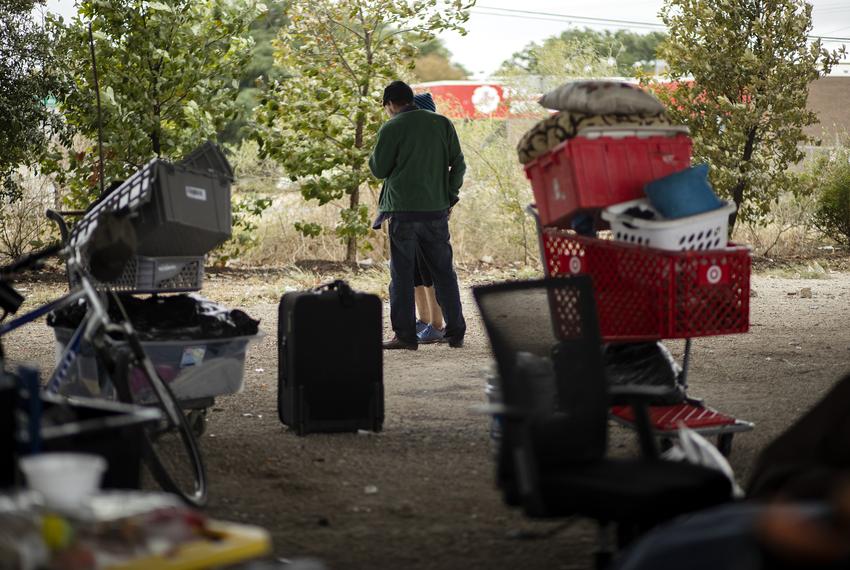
498,28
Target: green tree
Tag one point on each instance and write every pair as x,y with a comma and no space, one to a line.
27,81
628,50
740,73
260,68
556,60
434,62
320,124
168,77
264,30
830,173
435,67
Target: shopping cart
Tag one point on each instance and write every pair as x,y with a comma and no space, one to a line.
646,294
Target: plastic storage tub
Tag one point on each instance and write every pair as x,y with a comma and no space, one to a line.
593,173
692,233
194,369
177,211
649,294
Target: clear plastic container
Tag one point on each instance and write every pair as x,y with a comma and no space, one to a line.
194,368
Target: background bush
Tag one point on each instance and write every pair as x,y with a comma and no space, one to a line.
832,214
23,225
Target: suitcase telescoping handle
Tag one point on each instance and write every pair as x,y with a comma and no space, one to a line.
346,294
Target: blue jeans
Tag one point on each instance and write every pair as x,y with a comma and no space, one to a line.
432,239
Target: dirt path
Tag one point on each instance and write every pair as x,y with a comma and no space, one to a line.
420,494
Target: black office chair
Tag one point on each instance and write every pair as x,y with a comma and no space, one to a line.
552,460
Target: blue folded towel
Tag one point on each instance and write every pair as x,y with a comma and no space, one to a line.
683,193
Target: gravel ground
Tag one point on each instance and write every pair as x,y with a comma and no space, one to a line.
420,494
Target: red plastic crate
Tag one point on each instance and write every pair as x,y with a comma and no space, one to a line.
649,294
588,174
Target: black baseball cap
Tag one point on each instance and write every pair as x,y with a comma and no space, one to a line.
398,92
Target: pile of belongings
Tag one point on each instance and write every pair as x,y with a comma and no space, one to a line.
680,212
595,108
592,104
626,364
111,529
617,108
171,317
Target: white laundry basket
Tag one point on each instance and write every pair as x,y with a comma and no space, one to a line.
692,233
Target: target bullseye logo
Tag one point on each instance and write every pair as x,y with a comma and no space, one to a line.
714,274
486,99
575,265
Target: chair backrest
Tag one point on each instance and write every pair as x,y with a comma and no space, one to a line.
546,342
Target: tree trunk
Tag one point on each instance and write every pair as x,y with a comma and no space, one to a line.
738,198
354,197
739,188
156,134
351,243
156,143
155,146
354,200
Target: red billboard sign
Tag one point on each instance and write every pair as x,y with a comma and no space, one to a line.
467,99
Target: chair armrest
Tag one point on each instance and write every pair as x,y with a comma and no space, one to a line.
638,397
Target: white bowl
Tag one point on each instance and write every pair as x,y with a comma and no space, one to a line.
65,480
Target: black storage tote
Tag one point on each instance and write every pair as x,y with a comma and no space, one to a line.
175,210
330,360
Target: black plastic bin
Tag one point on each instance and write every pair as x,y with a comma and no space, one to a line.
109,429
208,157
177,211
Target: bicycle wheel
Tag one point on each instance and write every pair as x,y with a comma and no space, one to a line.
170,448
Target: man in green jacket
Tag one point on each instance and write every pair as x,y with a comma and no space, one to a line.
418,155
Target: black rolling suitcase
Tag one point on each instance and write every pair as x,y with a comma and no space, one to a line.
330,360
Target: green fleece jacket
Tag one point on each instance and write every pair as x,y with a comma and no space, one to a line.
418,155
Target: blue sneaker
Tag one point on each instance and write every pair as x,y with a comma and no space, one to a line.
420,326
430,334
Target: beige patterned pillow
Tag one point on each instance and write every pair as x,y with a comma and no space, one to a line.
601,98
552,131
